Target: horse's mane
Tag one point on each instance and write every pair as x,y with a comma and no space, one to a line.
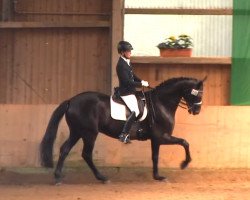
170,82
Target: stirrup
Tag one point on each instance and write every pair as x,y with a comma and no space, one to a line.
125,138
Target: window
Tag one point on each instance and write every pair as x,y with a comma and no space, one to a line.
212,34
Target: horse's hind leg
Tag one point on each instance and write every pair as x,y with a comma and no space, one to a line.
64,151
87,156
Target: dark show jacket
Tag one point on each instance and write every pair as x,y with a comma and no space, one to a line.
128,81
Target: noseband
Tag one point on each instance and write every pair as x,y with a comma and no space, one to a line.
183,103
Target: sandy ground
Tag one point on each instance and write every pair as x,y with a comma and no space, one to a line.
126,183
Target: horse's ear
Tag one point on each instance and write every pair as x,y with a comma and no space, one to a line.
204,79
200,83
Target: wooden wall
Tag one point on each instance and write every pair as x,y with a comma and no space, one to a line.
53,49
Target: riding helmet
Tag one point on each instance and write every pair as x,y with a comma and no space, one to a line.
124,46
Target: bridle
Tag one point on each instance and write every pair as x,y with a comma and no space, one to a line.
183,104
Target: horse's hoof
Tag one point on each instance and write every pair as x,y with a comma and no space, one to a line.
102,178
165,180
106,181
58,183
160,178
184,164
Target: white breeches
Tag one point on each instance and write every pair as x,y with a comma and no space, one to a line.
131,102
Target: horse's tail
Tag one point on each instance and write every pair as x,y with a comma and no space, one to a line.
46,146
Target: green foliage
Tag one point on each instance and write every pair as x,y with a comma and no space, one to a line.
181,42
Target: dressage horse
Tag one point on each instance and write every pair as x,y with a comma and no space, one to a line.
88,113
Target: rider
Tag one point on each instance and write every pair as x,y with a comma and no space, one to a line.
128,81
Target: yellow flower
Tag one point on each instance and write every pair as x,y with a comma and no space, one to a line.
172,38
183,41
183,36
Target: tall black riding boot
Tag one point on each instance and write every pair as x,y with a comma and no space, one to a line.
124,137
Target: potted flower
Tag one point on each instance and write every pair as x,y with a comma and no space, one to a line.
176,47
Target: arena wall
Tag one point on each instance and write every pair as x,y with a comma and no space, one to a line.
218,137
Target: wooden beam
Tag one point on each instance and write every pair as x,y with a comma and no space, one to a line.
182,11
117,35
182,60
89,24
7,10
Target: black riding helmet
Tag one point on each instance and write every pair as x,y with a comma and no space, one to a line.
124,46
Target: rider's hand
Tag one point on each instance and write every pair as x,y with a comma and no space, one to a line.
144,83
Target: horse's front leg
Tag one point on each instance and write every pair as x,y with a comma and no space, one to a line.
170,140
155,157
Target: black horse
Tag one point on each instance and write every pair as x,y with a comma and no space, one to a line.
88,113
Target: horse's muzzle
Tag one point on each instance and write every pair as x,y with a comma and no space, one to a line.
195,109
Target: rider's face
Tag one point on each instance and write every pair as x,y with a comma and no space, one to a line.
126,54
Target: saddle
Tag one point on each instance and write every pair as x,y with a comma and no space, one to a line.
141,101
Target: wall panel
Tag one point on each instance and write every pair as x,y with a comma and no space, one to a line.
55,51
62,10
47,66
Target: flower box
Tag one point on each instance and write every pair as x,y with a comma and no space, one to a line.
176,47
175,52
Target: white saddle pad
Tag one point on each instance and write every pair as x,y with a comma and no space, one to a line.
118,111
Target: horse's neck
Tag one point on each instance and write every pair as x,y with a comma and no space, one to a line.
166,102
172,95
169,99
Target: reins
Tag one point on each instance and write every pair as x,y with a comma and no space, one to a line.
181,104
150,105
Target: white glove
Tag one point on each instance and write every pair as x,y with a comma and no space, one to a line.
144,83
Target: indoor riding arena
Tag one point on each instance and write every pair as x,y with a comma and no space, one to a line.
52,50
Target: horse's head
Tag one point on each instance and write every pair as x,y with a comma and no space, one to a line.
192,94
184,90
